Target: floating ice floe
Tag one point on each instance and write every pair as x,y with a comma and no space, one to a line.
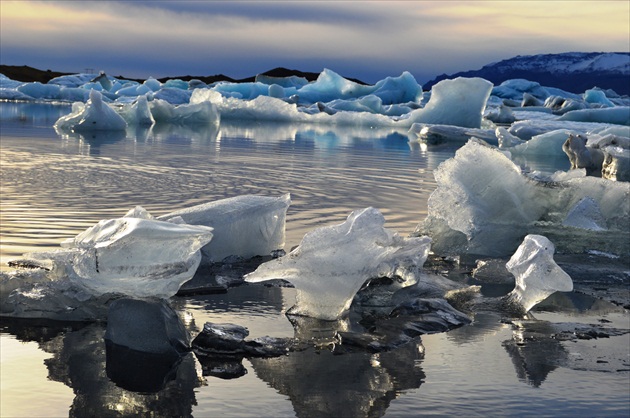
243,226
485,205
537,275
332,263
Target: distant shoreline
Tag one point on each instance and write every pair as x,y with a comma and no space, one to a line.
28,74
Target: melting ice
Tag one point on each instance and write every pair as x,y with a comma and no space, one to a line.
332,263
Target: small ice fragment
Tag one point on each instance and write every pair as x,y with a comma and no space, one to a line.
537,274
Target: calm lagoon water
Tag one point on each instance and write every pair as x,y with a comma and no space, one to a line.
53,187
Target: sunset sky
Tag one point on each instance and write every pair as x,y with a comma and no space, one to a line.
366,40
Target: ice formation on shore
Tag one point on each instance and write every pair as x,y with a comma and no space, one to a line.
332,263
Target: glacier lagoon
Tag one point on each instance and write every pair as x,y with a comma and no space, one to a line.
54,188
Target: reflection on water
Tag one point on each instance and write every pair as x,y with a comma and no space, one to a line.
55,187
352,385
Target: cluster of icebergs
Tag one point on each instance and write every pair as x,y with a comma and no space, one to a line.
485,204
520,116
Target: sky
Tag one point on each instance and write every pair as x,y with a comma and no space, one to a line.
368,40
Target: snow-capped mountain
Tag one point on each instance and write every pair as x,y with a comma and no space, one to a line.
571,71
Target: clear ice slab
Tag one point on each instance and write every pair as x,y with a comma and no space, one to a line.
332,263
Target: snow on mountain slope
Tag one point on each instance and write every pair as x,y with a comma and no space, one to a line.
570,62
571,71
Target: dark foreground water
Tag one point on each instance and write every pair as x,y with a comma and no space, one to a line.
53,187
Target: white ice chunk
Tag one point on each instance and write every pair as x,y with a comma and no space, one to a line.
330,85
537,274
616,165
458,102
582,156
137,113
94,116
332,263
202,113
549,143
138,257
244,226
506,139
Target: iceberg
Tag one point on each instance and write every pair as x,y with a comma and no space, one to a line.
484,204
458,102
594,96
537,275
94,116
244,226
586,215
332,263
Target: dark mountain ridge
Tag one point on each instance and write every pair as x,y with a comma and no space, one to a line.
574,72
